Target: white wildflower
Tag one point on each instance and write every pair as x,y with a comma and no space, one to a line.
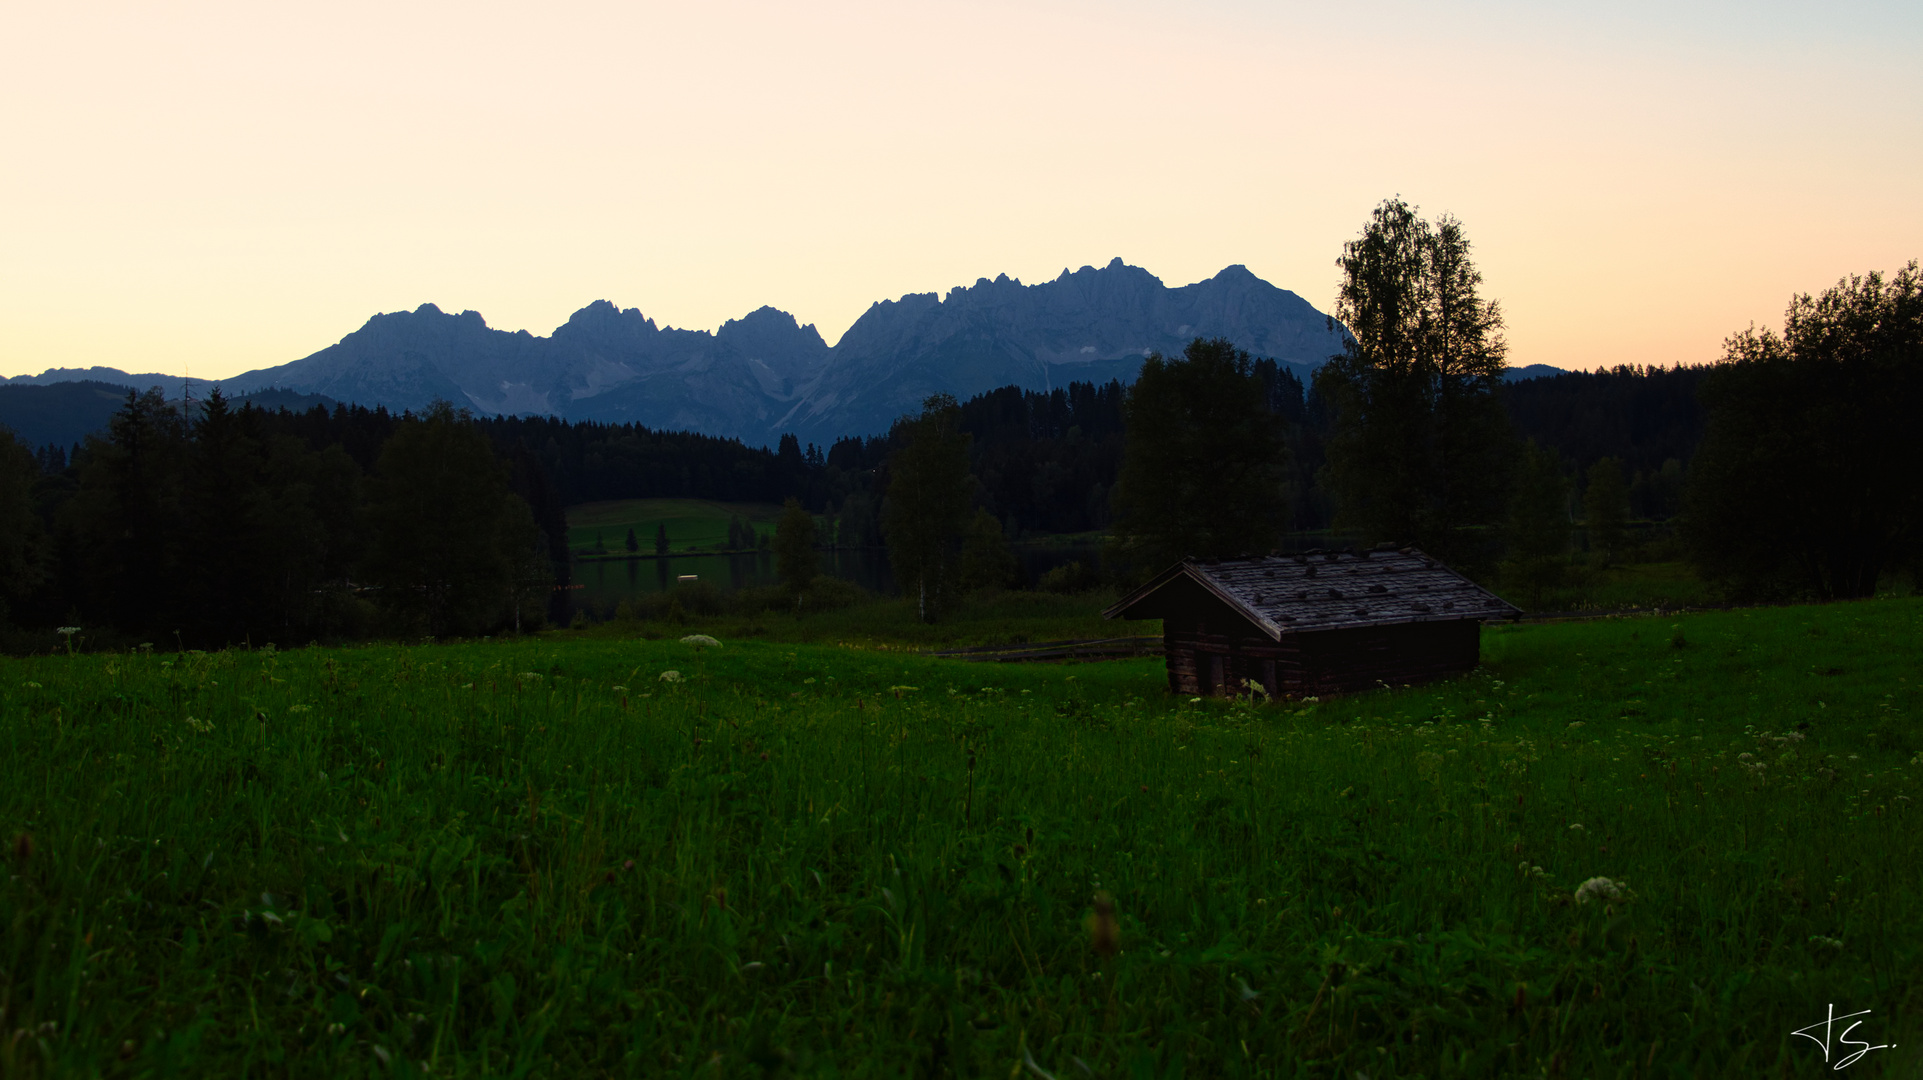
1598,888
1576,828
700,641
671,675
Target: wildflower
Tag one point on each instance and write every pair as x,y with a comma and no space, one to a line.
202,726
1818,939
66,631
1598,888
700,642
1104,931
298,709
671,676
1745,757
1576,724
1576,827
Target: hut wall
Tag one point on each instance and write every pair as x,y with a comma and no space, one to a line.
1345,661
1325,662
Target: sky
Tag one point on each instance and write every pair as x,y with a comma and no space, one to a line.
217,187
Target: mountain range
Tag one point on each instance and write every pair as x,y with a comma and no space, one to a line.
766,374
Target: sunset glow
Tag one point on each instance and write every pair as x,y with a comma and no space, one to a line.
225,187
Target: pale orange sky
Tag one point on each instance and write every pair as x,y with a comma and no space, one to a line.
226,186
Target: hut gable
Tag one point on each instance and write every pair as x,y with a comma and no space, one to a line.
1312,623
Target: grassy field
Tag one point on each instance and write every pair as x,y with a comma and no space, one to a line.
551,857
888,623
692,523
1666,585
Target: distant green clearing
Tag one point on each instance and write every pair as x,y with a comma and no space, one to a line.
691,523
544,857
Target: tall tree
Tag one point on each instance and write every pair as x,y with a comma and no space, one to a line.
1605,510
661,538
1806,482
1203,467
795,563
23,550
227,559
926,502
986,561
452,543
1421,446
128,520
1537,532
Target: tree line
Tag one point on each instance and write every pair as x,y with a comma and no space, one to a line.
1789,465
214,525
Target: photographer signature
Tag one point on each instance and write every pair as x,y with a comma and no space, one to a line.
1842,1040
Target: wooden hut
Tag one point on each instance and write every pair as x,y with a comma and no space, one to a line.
1315,623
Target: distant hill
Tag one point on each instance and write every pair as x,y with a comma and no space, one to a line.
65,413
61,413
1532,371
172,384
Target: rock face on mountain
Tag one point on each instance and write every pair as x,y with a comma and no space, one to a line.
765,374
1089,325
604,363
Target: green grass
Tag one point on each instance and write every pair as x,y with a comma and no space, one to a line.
1626,587
538,858
891,623
692,523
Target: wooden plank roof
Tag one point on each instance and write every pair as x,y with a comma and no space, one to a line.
1335,590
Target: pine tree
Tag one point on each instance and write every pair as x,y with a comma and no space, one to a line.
634,542
23,551
1537,532
1605,505
1203,465
926,502
986,561
451,541
795,563
661,538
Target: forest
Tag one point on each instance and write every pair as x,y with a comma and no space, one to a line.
1782,471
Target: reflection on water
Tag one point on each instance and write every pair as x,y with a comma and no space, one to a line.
605,582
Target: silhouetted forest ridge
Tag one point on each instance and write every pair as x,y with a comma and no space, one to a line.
226,523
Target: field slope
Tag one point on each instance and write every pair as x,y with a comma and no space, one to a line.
552,857
691,523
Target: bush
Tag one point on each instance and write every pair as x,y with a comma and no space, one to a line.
1070,577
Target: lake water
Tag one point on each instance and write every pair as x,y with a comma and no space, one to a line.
605,582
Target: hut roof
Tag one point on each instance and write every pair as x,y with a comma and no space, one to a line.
1339,590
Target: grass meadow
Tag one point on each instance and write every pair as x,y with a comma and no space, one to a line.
692,523
551,857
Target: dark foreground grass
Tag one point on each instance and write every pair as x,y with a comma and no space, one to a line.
538,858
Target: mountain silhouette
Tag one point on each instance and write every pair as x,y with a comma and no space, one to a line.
765,373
